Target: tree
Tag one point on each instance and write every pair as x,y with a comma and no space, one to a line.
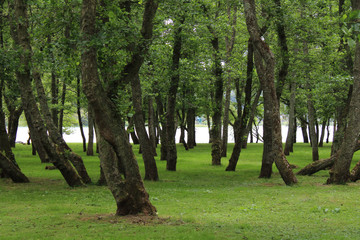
339,173
264,62
128,189
32,113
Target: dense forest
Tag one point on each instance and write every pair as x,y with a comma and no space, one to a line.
143,69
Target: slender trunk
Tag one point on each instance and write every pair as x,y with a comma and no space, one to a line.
208,121
61,116
304,130
290,136
148,149
90,147
79,114
190,120
313,135
131,129
243,118
162,130
323,128
151,124
171,103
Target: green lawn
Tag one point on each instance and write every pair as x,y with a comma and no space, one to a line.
199,201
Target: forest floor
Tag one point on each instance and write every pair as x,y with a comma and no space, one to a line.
198,201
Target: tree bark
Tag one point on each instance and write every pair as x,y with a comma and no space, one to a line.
290,135
61,115
148,149
339,173
323,164
151,123
90,147
323,128
244,116
171,102
78,105
12,170
190,121
129,193
304,130
265,64
32,113
56,138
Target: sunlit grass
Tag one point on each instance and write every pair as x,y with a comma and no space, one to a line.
198,201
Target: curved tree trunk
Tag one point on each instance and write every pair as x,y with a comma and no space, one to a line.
12,170
148,149
265,65
130,194
32,113
339,173
55,137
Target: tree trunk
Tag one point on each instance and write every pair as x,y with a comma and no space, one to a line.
190,121
79,113
61,116
32,113
129,193
61,146
323,128
290,136
162,121
265,65
148,149
131,129
244,116
13,124
151,124
339,173
323,164
171,103
304,130
90,147
12,170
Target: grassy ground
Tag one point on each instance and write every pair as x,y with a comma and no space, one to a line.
198,201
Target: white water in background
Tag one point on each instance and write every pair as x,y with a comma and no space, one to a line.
202,134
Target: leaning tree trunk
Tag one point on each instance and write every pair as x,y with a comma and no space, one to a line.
13,124
148,149
240,130
12,170
129,193
339,173
32,113
56,138
323,164
265,65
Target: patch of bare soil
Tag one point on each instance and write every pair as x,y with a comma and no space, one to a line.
132,219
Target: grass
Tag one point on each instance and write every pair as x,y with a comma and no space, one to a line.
199,201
